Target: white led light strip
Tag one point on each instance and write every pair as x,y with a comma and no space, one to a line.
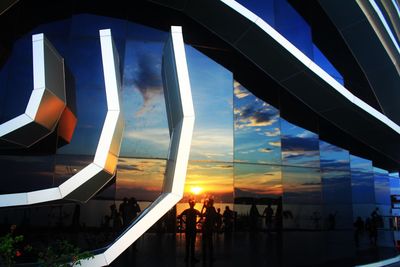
385,24
310,64
47,100
105,161
181,121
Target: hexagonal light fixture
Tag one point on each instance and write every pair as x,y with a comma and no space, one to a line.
47,101
87,182
178,98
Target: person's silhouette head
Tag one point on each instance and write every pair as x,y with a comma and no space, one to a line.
192,203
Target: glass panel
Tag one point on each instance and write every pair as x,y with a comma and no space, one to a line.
301,197
362,180
212,99
300,147
146,127
257,129
26,173
206,180
333,157
140,178
382,188
258,191
84,61
394,186
17,91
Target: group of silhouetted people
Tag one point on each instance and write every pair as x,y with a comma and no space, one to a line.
126,213
371,225
211,221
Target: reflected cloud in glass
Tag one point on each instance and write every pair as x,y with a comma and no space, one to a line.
257,129
300,147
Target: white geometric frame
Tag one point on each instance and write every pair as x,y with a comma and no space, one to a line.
181,118
106,157
47,100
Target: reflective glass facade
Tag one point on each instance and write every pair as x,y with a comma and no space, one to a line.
277,178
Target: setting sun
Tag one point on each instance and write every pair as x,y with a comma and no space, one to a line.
196,190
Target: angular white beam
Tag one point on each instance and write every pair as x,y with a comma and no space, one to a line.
47,100
178,98
264,26
103,167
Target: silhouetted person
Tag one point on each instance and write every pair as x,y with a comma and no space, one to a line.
358,230
373,230
268,213
133,209
116,219
228,218
254,217
189,217
210,219
124,211
219,221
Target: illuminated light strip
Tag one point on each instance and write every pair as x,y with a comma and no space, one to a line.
381,32
394,16
396,7
47,101
107,152
310,64
381,263
180,113
385,24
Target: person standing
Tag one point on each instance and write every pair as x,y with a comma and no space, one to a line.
209,225
189,217
268,213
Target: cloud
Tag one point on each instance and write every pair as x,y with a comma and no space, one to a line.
251,116
212,143
129,167
157,136
326,147
275,132
335,164
240,91
265,150
146,78
311,183
290,143
275,143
